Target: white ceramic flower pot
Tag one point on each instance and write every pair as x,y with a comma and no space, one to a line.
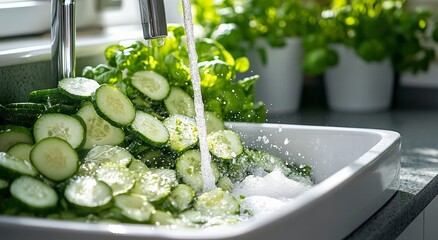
281,79
355,85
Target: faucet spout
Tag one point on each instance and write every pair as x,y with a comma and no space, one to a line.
63,32
153,18
63,37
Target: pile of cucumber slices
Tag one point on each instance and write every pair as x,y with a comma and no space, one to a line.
86,151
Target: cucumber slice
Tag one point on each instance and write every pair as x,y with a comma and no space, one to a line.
151,84
51,95
135,207
99,131
118,177
109,153
267,162
33,193
29,106
12,167
62,108
158,159
78,88
169,175
225,144
70,128
88,194
183,132
217,203
11,134
149,129
113,105
54,158
188,167
180,198
213,123
20,151
161,218
179,102
138,168
153,186
4,185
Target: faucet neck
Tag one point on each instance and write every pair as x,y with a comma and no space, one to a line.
153,18
63,34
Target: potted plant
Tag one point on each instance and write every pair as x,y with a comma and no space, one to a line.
269,34
361,45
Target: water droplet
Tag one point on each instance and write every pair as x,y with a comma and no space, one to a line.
280,129
286,141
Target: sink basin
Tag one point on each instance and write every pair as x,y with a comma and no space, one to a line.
355,170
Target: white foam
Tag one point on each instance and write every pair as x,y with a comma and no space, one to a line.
273,185
258,205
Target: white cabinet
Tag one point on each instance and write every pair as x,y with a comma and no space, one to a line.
415,230
424,227
431,220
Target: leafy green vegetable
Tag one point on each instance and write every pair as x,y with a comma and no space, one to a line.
222,93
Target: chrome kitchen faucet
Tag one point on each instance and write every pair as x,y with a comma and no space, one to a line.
63,32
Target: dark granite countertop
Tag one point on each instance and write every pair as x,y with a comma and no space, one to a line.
419,168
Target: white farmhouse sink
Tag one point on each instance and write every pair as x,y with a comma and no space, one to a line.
356,172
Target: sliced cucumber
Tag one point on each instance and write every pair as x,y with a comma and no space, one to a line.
109,153
51,95
225,144
27,106
180,198
183,132
188,167
113,105
158,159
12,167
267,162
99,131
169,175
138,166
135,207
149,129
153,186
151,84
20,151
118,177
161,218
70,128
54,158
225,183
12,134
88,194
62,108
217,203
4,185
78,88
179,102
213,123
33,193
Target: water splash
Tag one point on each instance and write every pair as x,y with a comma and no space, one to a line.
207,172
